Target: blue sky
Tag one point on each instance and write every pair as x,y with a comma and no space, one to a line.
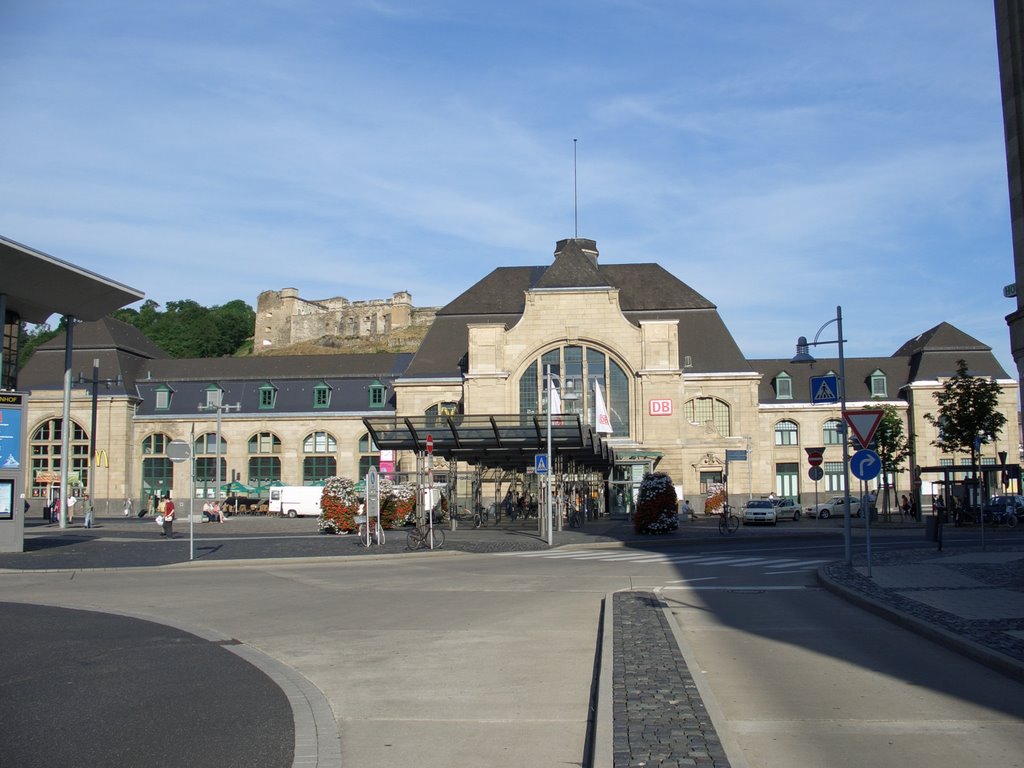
779,156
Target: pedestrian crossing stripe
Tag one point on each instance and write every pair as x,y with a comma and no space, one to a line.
647,558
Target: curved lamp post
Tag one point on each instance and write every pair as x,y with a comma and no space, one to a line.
803,356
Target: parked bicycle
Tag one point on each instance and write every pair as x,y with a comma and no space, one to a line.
371,533
479,517
425,537
729,523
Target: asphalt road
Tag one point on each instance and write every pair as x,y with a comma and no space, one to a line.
91,689
454,659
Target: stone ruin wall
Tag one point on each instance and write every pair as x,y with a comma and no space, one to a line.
284,318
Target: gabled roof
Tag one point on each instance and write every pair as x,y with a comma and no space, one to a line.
935,353
942,338
646,292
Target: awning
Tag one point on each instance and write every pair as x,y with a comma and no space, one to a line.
509,441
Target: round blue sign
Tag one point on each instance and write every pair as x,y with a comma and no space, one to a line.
865,464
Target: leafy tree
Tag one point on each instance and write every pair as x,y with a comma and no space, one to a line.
968,415
30,338
187,329
892,446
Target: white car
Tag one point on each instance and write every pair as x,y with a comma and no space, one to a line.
759,511
834,506
786,509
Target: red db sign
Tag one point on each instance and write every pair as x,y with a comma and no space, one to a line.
659,407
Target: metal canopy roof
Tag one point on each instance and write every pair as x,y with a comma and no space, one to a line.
38,285
505,441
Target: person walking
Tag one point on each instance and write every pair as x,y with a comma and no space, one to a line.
87,504
166,510
904,506
128,507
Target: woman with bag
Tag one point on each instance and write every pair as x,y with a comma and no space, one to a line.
166,516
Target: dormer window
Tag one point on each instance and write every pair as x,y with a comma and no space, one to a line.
214,396
878,385
268,397
378,394
783,386
163,397
322,395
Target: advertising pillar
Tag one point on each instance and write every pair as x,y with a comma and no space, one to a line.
12,472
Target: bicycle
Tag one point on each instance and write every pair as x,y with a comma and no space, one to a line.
371,533
729,523
425,537
479,517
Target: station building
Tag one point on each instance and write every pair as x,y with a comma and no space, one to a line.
680,396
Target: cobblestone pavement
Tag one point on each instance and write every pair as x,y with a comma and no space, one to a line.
659,716
970,599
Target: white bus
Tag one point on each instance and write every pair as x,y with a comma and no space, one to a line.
296,500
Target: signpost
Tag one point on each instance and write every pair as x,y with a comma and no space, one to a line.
815,456
178,451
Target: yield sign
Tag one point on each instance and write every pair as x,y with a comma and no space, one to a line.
864,423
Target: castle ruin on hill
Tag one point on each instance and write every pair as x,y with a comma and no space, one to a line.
283,318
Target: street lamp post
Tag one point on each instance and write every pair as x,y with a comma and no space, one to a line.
219,408
548,517
90,489
803,356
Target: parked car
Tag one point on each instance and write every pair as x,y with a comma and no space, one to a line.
759,511
996,510
786,509
834,506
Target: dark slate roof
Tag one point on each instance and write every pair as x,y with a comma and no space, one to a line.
646,292
858,377
935,353
121,349
926,357
294,378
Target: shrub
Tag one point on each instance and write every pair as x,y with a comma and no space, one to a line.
656,505
339,504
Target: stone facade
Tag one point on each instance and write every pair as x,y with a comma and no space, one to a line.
682,393
284,318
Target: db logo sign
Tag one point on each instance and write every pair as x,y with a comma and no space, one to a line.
660,407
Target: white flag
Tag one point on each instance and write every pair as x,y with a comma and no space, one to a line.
604,424
554,404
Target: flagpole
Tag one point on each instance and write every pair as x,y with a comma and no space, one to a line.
548,516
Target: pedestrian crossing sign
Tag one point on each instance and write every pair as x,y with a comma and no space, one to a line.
540,463
825,389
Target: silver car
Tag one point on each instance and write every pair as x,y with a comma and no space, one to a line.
759,511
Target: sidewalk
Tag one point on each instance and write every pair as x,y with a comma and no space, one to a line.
969,599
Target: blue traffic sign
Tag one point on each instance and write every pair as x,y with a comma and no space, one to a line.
540,463
825,389
865,464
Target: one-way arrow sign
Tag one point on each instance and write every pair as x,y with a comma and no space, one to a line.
864,423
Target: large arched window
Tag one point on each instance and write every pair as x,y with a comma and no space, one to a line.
702,410
157,469
264,465
832,432
369,454
319,462
45,447
206,460
786,433
579,371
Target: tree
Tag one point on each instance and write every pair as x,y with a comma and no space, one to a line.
892,446
968,413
